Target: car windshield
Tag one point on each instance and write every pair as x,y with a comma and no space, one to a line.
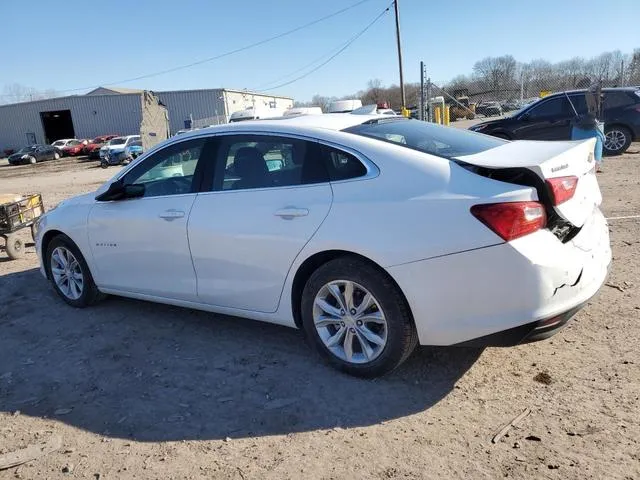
27,149
58,142
523,108
97,140
117,141
445,142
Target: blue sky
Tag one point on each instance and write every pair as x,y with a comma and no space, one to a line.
73,44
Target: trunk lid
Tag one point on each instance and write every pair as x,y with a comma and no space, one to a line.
548,160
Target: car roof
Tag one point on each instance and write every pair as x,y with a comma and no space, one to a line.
295,123
604,90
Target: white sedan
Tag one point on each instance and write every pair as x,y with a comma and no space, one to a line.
370,233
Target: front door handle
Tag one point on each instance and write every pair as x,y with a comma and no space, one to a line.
172,214
289,213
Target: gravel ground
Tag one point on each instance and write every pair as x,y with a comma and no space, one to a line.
137,390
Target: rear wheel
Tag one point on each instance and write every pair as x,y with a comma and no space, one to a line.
14,246
616,140
69,273
356,318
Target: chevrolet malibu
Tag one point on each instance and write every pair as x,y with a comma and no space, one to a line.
369,233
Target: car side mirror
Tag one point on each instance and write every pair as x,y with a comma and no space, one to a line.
119,191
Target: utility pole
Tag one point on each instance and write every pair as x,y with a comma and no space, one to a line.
622,73
402,97
421,116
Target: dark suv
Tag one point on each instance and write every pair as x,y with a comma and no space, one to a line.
550,118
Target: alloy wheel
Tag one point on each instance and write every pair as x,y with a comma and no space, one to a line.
67,273
615,140
350,322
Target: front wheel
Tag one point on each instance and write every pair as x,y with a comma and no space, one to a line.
56,156
104,163
32,160
69,273
616,140
357,318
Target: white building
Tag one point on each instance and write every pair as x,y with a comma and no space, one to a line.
105,111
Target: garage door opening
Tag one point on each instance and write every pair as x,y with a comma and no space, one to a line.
57,125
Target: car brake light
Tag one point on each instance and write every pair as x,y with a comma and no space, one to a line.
562,188
511,220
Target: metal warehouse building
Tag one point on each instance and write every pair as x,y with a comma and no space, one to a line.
106,111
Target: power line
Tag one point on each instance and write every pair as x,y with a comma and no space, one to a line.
222,55
342,49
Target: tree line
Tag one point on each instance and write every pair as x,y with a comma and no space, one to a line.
504,78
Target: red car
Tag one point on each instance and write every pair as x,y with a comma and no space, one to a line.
93,147
73,148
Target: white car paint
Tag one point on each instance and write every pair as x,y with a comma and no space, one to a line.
112,148
234,252
63,142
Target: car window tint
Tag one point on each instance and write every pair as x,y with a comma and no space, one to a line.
550,108
427,137
264,161
169,171
342,165
579,102
617,99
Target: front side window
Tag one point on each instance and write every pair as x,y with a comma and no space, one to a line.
553,107
261,161
170,171
579,103
427,137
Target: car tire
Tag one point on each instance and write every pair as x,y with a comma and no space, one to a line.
56,156
104,163
617,140
364,340
32,160
14,247
69,273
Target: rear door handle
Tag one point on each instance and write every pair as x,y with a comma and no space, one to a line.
169,215
291,212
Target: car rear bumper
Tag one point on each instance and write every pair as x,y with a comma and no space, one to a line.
506,294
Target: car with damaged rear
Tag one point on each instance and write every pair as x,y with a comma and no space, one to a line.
370,233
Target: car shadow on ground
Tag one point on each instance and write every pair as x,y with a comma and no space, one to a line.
151,372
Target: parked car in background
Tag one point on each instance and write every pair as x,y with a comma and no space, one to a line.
489,109
60,144
511,105
476,241
92,149
551,117
33,154
73,148
134,149
117,145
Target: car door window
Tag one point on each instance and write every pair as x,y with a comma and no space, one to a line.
554,107
261,161
617,100
170,171
579,103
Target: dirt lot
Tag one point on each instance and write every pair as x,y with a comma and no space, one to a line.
136,390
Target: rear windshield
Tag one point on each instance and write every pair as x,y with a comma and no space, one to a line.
445,142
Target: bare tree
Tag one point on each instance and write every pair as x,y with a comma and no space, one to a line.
16,93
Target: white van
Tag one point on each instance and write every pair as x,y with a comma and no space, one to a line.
303,111
344,106
255,114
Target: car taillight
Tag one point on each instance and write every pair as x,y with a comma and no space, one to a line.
562,188
511,220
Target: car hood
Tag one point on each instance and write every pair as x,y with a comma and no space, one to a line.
112,147
17,156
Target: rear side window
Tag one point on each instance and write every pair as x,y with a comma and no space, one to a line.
426,137
342,165
618,99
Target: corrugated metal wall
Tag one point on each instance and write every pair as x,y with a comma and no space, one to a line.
95,115
91,115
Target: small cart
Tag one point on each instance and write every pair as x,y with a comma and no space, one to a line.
18,212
